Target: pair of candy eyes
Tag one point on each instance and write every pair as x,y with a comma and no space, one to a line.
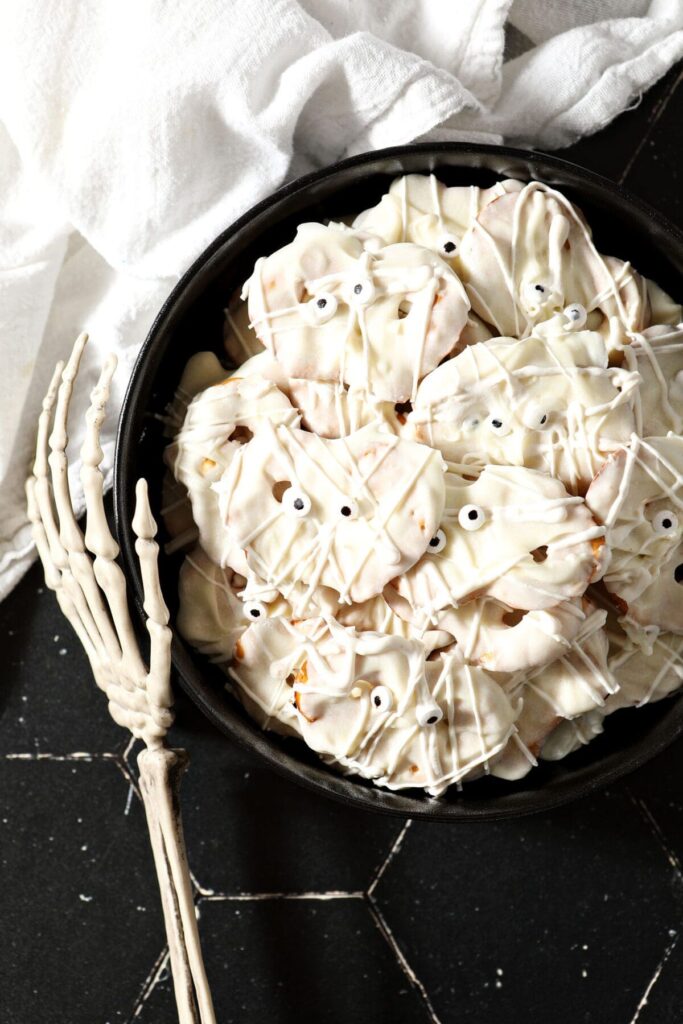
322,307
298,504
470,517
534,418
382,699
575,314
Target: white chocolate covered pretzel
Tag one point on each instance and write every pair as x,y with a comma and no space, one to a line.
419,208
569,687
372,704
330,310
549,402
218,422
512,534
638,496
529,255
347,514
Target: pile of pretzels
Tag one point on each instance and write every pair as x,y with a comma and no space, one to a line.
430,493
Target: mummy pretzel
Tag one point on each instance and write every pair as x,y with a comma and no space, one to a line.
91,590
430,503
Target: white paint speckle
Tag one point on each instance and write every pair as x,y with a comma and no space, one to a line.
499,972
584,973
62,651
84,898
55,638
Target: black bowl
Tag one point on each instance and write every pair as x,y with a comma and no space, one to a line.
192,319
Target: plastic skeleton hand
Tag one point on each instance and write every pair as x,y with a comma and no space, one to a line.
91,590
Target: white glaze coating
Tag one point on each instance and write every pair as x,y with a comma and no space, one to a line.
549,402
637,489
370,577
529,254
445,720
397,311
569,687
419,208
217,424
523,512
393,491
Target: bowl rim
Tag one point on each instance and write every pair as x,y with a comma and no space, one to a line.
349,790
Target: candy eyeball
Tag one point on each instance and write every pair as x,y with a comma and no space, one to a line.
437,542
362,292
255,611
320,308
428,714
536,417
471,517
665,523
499,425
575,315
348,509
536,295
296,502
448,245
382,698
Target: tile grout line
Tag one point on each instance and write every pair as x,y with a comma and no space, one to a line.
646,813
410,974
149,984
653,981
246,897
77,756
656,114
395,847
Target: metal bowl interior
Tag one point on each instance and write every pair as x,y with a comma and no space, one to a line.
192,320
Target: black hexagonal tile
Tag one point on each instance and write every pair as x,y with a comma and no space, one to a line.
660,1003
249,830
48,700
657,789
659,158
78,905
610,150
296,962
543,913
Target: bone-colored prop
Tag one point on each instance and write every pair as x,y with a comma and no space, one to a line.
91,590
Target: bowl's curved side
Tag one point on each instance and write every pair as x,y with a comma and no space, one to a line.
191,319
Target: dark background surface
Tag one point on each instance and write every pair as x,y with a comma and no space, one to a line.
310,911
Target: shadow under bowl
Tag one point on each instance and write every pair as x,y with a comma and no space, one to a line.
191,320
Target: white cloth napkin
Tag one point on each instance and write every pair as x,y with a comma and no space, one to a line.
132,133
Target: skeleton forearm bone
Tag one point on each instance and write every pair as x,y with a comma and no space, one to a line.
91,590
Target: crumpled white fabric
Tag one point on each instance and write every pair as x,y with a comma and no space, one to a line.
132,133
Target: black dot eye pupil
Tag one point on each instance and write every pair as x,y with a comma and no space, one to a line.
345,510
255,613
432,720
298,504
667,524
497,424
472,514
357,289
434,542
539,288
449,246
321,303
678,573
544,419
377,701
